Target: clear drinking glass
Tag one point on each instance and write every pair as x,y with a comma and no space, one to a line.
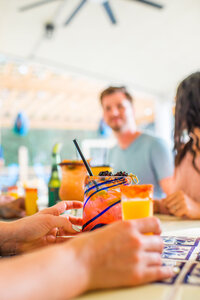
102,200
137,201
73,178
31,196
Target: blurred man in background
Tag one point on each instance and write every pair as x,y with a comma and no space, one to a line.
146,156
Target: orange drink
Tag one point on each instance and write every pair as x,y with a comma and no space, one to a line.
13,191
102,200
137,201
97,169
73,178
31,201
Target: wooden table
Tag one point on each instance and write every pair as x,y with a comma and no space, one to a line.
171,226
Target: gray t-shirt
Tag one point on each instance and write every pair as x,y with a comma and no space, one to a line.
148,157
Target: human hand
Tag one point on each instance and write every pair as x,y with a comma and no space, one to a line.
181,205
43,228
159,207
11,207
121,255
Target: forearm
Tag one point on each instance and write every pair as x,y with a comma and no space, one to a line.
166,185
7,241
52,273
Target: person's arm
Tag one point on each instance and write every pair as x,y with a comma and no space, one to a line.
159,207
43,228
5,233
163,164
181,205
117,255
51,273
166,184
11,207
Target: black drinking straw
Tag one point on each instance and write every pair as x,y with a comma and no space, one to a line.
83,158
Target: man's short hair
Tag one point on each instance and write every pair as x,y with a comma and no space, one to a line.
115,89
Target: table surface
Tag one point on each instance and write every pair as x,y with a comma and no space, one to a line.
171,226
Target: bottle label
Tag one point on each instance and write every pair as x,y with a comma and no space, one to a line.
53,196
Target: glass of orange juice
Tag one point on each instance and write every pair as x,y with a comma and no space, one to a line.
137,201
31,197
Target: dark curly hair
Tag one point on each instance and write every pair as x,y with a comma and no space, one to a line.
187,119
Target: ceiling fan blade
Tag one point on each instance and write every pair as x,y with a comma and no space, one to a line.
156,5
35,4
109,11
75,12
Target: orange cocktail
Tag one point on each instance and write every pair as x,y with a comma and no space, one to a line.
97,169
137,201
73,178
102,200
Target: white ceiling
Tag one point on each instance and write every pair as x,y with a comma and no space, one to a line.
149,49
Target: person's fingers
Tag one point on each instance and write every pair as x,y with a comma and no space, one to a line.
61,239
181,212
50,239
172,202
147,225
54,231
62,222
155,273
168,197
74,204
76,220
62,232
58,236
175,208
14,212
179,196
62,206
20,202
55,210
152,243
152,259
169,200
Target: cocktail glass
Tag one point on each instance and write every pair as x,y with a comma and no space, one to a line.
102,200
31,196
73,178
97,169
137,201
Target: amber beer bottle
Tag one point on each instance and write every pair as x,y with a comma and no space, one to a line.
54,181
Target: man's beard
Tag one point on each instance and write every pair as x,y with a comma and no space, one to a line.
117,129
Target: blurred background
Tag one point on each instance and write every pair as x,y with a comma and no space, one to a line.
57,56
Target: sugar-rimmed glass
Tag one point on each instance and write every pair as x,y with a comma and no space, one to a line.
102,200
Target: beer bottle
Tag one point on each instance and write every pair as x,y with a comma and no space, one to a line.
54,181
